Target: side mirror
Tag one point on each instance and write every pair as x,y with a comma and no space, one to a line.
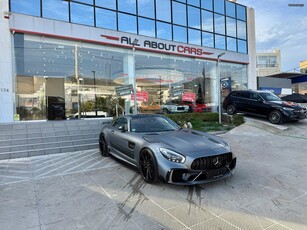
123,128
260,100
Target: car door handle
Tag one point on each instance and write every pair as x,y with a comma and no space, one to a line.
112,131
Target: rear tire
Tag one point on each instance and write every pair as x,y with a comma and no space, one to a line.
231,110
275,117
148,166
103,146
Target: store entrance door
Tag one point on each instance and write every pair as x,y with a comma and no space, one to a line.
55,98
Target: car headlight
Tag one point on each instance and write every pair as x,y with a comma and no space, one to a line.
287,109
172,155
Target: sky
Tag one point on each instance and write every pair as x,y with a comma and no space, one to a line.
282,26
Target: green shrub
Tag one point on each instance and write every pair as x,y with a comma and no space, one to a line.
237,119
181,117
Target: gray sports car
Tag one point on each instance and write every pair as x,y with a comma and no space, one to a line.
159,148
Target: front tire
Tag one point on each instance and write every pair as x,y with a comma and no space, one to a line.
275,117
148,166
103,147
166,111
231,110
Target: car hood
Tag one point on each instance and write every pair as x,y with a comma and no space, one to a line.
288,104
188,141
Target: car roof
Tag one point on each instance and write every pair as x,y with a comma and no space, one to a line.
253,91
141,115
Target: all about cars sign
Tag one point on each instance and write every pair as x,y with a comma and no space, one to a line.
140,96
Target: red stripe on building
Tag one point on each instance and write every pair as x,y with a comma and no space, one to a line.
110,37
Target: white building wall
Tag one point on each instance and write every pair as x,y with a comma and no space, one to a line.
6,66
251,33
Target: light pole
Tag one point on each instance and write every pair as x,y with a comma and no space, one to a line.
218,79
94,75
134,43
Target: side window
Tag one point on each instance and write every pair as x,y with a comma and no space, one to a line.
118,122
245,95
255,96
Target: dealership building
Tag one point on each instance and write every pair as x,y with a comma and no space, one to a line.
113,56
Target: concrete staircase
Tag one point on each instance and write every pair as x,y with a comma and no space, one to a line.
33,138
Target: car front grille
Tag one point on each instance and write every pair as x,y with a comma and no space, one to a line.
212,162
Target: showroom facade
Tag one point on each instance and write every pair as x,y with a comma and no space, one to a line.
88,55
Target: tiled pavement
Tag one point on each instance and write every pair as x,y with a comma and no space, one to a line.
82,190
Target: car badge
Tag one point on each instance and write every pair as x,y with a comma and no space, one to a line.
217,162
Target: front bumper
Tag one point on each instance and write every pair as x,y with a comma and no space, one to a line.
295,115
192,177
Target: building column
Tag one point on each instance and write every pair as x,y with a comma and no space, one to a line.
129,75
251,35
7,90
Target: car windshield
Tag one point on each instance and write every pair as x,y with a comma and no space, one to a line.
269,97
152,124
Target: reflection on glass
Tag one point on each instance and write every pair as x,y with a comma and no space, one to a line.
241,29
220,42
207,20
231,27
219,24
230,9
127,23
146,8
194,37
163,9
164,31
207,39
231,44
106,19
206,4
31,7
82,14
85,1
194,17
184,1
128,6
242,47
147,27
241,12
219,6
55,10
194,2
179,14
110,4
180,34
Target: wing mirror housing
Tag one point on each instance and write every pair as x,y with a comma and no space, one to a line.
123,128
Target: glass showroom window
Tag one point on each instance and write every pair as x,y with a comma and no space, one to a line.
242,46
219,24
128,6
230,9
146,8
31,7
208,39
194,2
241,12
193,17
180,34
194,37
220,42
106,19
207,20
85,1
206,4
55,10
164,30
147,27
163,10
241,29
179,14
231,27
219,6
110,4
127,23
231,44
82,14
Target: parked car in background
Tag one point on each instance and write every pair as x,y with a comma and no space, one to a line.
174,108
263,103
197,107
160,149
